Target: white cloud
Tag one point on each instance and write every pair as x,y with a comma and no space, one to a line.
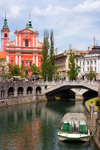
12,8
88,6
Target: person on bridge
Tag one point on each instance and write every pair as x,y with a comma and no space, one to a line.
92,106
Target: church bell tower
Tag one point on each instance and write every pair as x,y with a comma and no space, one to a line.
4,35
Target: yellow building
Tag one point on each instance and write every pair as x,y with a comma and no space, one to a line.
62,61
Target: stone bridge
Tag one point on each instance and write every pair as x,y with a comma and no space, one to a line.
80,90
18,88
47,90
16,92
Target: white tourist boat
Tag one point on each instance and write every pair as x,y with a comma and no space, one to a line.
74,127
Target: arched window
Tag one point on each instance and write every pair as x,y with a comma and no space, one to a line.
26,42
5,35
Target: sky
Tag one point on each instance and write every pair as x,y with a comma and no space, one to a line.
74,22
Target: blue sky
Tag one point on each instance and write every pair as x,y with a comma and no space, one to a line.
74,22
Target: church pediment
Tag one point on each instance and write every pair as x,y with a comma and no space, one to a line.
26,31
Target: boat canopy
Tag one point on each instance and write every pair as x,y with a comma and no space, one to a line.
74,117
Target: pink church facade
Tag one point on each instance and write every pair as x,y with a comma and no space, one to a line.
24,50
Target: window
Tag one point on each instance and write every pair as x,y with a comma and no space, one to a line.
22,63
91,62
88,62
30,63
26,63
5,35
26,42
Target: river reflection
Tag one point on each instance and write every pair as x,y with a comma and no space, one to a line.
34,126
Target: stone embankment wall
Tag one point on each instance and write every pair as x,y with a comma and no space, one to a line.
22,100
95,123
88,115
97,133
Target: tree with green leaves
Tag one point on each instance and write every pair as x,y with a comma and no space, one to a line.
52,57
48,68
35,70
15,70
90,76
72,67
44,58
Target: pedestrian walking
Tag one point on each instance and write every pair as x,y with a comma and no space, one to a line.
92,107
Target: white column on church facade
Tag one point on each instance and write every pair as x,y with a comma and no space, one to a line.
33,59
7,58
16,60
37,61
19,61
33,41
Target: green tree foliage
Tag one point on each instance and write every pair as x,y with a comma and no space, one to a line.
90,76
35,70
48,68
45,59
72,67
15,70
52,57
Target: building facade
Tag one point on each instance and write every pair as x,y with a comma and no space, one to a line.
91,61
24,50
62,61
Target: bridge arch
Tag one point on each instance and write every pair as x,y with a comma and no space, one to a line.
90,94
38,89
29,90
20,91
11,92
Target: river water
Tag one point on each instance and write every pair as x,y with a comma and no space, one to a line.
34,126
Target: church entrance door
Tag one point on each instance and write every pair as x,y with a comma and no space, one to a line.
26,74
